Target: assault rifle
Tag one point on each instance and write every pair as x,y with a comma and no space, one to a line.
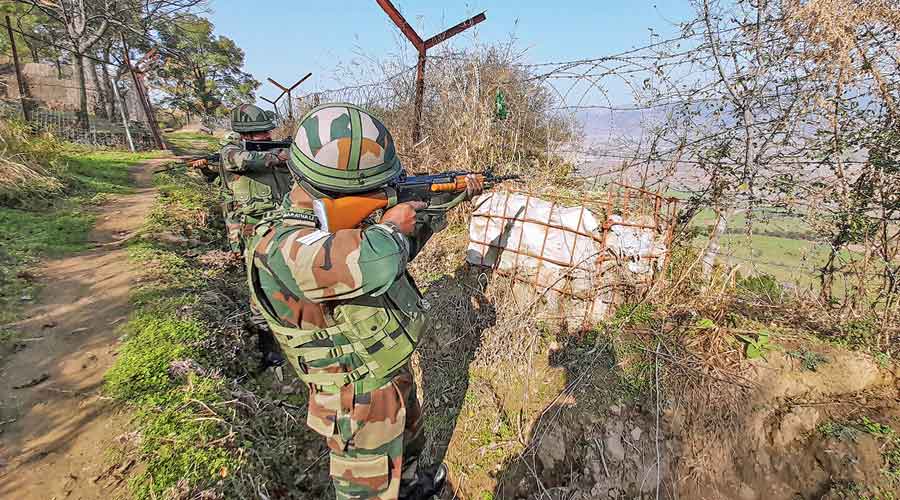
210,158
265,145
441,191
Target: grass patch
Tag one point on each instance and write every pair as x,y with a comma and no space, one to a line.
28,237
159,371
98,172
39,224
184,142
156,339
207,419
155,373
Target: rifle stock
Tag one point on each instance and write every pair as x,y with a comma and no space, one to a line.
347,212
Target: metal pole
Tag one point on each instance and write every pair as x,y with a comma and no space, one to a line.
290,107
422,47
287,90
420,97
143,98
23,87
121,107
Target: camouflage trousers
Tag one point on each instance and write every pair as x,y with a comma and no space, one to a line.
233,230
375,438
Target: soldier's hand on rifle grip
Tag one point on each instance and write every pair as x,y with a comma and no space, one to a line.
283,154
474,186
198,163
403,216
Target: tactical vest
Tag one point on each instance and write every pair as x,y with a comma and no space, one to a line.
255,195
373,337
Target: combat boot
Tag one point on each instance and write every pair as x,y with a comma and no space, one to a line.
265,341
426,484
268,347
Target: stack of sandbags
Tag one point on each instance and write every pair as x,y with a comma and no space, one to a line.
542,241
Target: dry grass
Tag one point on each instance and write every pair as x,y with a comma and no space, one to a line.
831,33
460,127
30,168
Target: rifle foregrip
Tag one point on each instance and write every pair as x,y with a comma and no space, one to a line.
459,184
445,187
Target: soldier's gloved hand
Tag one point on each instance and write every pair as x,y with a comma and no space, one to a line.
403,216
474,186
198,163
283,154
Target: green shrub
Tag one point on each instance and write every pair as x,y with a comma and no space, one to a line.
858,333
634,315
811,360
761,287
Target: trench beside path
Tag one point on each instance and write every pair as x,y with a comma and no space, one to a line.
56,430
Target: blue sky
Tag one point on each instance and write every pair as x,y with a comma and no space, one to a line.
286,39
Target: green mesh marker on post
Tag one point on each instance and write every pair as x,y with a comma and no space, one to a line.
500,111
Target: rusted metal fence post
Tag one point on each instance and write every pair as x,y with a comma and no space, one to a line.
273,103
20,79
422,47
420,99
287,90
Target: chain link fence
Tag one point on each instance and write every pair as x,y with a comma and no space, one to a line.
66,125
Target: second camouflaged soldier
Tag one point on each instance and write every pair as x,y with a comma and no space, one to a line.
256,183
344,309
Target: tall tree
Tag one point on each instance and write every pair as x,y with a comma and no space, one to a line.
84,23
203,72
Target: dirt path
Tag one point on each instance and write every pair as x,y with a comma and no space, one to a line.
55,431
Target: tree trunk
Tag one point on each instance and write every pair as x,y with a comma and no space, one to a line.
102,98
82,92
111,108
723,215
33,49
826,278
123,101
59,72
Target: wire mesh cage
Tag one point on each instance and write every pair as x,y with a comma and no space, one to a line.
578,254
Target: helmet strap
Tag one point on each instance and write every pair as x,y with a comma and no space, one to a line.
309,188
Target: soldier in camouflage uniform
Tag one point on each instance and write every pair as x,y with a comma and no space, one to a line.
344,309
259,179
255,183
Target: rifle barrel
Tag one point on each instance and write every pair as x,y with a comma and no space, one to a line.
496,178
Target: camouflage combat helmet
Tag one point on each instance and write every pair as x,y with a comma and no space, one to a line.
249,118
342,148
230,138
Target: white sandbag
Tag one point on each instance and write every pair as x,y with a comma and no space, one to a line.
639,248
537,238
555,247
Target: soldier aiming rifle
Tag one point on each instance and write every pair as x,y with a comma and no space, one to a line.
331,280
